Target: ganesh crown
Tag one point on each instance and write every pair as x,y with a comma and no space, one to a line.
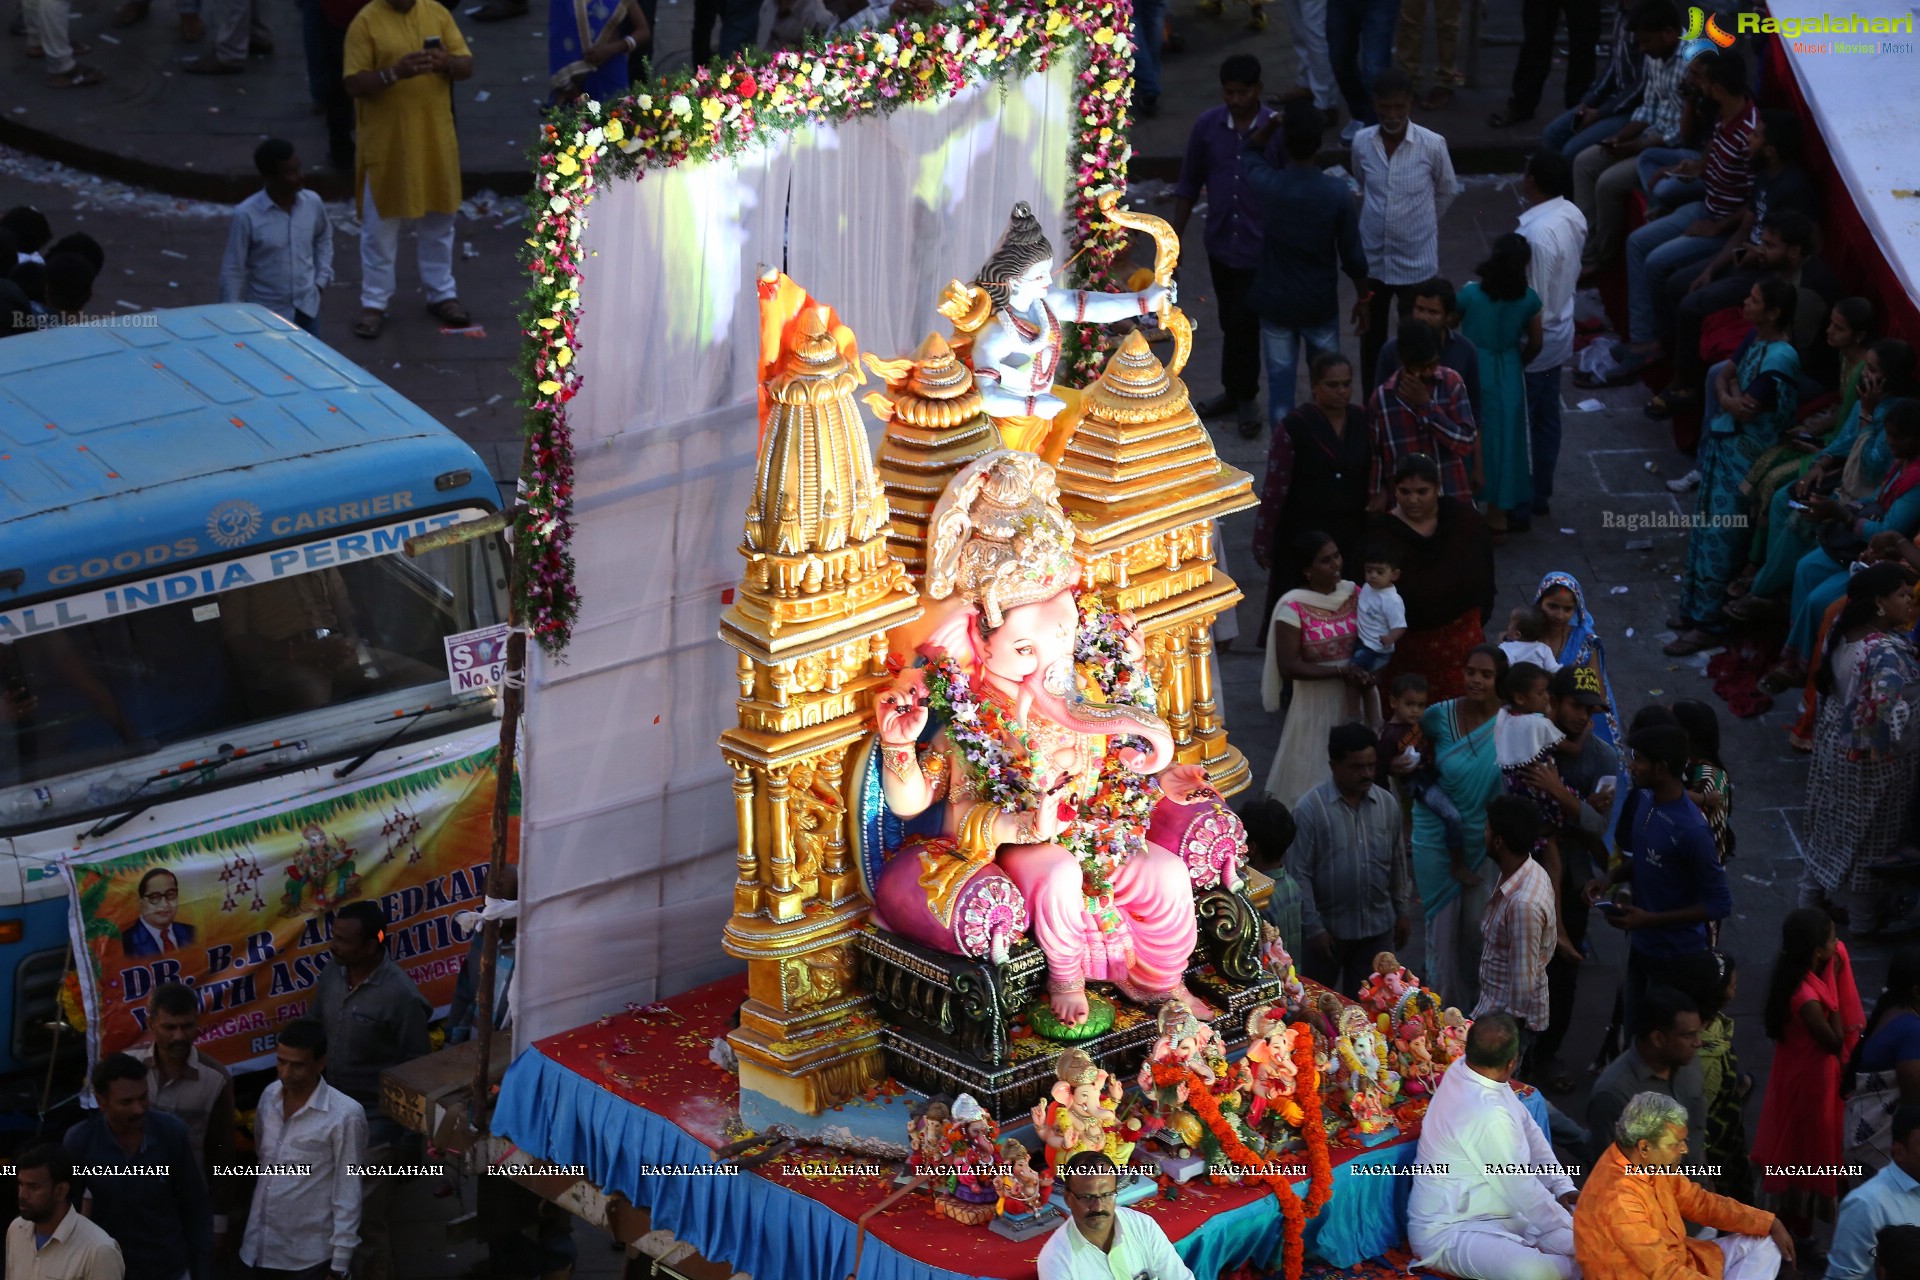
999,536
1075,1066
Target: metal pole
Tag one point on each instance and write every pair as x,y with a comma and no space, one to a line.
512,700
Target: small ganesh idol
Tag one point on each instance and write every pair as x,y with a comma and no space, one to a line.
1272,1077
1389,985
927,1138
1016,355
973,1150
1080,1114
1022,1189
1029,765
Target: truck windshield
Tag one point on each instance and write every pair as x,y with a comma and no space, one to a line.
312,664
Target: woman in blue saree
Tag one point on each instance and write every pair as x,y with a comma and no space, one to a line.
588,43
1851,467
1750,405
1459,734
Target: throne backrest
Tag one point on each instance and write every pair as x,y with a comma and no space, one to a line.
877,830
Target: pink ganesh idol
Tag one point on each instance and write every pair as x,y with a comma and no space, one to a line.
1023,756
1271,1071
1389,984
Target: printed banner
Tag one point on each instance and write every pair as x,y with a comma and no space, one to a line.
242,910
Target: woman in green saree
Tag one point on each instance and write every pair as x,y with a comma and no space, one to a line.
1460,736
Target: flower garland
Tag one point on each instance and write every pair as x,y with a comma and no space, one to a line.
717,111
997,751
1293,1211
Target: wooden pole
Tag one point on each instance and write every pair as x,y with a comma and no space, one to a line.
512,701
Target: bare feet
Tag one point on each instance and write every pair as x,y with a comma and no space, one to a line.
1070,1007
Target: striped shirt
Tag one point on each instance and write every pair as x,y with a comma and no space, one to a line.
1661,104
1402,199
1351,862
1729,172
1517,940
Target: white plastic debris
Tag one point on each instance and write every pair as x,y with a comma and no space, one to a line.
1591,406
482,95
1567,531
1640,544
1619,591
495,398
173,253
1629,633
1651,469
467,250
470,409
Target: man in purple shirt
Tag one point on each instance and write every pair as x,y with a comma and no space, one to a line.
1233,232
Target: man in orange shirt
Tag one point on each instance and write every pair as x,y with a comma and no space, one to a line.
1630,1221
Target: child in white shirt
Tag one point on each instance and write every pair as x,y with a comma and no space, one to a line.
1383,616
1522,643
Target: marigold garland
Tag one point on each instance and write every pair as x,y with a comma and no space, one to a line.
721,110
1293,1211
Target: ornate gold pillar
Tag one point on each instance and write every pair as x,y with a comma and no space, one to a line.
1143,485
809,621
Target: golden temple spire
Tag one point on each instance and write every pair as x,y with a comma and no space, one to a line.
817,523
934,426
1144,488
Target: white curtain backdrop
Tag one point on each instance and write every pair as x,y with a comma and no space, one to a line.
627,832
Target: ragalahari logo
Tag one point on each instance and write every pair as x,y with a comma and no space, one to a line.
1701,23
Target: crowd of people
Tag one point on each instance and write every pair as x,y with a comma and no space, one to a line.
1476,773
149,1186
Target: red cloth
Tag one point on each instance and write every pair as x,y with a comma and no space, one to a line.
1439,654
657,1059
1803,1118
1721,334
1846,241
1736,679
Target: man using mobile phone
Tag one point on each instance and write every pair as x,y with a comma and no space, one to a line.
403,57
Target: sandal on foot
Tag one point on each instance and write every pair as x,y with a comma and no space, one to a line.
1752,608
1781,679
1689,642
1668,403
78,78
450,313
1743,584
370,323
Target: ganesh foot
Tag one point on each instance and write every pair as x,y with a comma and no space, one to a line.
1195,1005
1070,1007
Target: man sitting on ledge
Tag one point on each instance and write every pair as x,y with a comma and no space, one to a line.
1104,1240
1631,1221
1503,1210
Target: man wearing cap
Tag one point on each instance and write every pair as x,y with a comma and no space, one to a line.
1585,780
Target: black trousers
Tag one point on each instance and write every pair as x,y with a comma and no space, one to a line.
1563,975
1539,20
1377,332
1239,330
1351,964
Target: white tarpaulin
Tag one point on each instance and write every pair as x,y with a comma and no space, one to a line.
1860,89
627,831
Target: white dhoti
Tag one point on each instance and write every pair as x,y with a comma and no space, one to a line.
1489,1251
1749,1257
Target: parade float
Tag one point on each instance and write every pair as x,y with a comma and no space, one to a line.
967,829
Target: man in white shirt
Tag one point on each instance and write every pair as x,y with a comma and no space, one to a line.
1503,1210
280,247
305,1222
1103,1241
1406,185
1556,231
51,1240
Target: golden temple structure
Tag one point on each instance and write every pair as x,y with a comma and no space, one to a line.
835,541
1143,486
810,621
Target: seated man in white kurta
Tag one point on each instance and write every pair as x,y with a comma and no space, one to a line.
1503,1210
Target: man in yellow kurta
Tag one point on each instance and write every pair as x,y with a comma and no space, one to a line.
402,59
